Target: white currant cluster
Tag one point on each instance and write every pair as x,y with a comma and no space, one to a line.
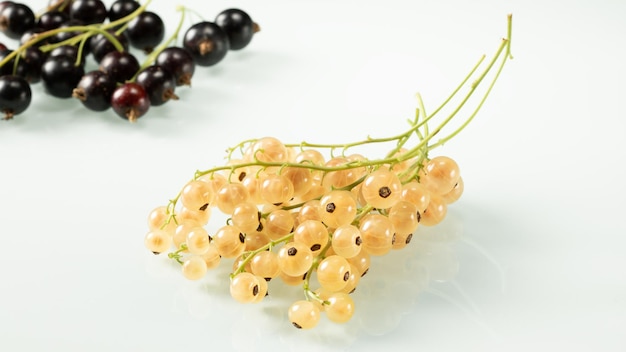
303,215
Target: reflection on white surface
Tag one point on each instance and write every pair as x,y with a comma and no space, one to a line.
387,297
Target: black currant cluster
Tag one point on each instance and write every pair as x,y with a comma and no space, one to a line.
54,45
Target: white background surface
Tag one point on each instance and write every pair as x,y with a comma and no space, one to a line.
532,257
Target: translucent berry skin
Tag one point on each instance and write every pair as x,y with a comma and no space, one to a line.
338,208
15,95
159,83
59,76
145,31
15,19
304,314
88,11
179,62
295,259
455,193
440,175
244,287
120,65
207,43
377,234
194,268
238,26
229,241
381,189
340,308
130,101
157,241
94,90
333,273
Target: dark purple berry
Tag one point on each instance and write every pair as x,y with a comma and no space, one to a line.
31,34
101,45
32,60
159,84
122,8
130,101
60,5
15,96
61,36
94,90
179,62
207,43
70,51
238,26
88,11
15,19
10,68
120,65
52,20
60,75
4,4
145,31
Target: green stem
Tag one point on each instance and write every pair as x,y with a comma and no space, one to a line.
87,31
152,56
250,254
308,293
419,151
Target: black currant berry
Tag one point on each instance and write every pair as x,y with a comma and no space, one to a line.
10,68
61,36
122,8
15,19
15,96
60,5
94,90
4,4
238,26
145,31
32,60
88,11
120,65
130,101
207,43
52,20
101,45
70,51
179,62
60,75
159,84
30,34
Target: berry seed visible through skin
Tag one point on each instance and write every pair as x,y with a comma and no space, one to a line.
384,192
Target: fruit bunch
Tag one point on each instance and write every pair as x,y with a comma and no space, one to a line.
54,47
313,215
